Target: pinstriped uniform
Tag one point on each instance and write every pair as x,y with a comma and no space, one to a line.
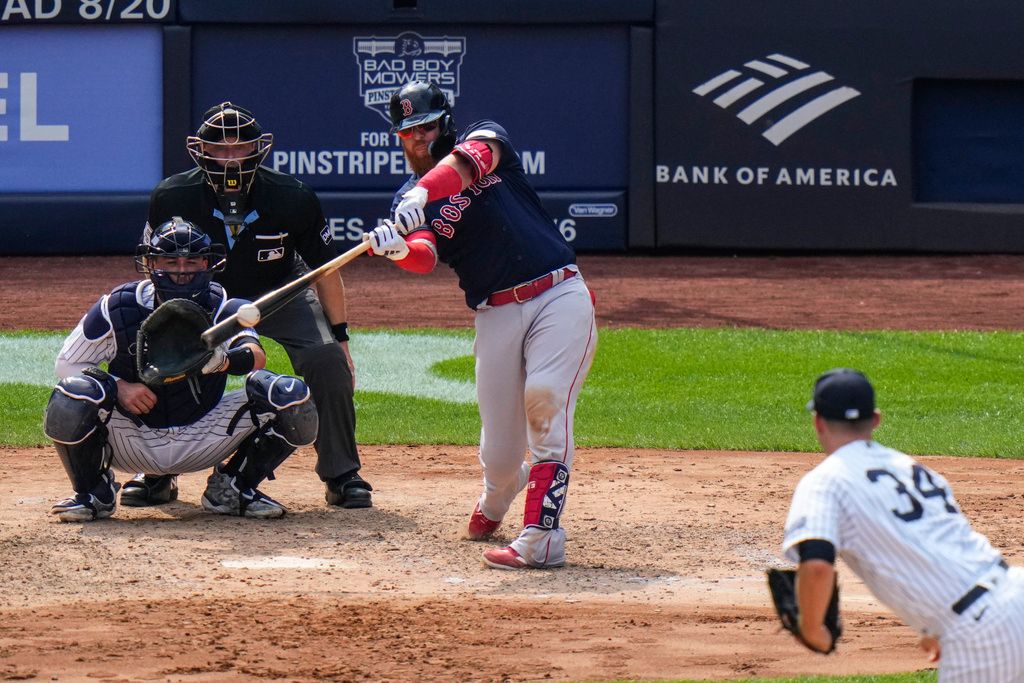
897,525
137,447
188,448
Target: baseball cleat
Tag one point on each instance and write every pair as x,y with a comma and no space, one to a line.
224,497
349,491
86,507
83,507
480,527
504,558
150,489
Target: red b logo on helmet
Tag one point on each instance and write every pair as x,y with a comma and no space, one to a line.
406,107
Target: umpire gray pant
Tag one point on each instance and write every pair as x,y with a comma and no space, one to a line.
302,329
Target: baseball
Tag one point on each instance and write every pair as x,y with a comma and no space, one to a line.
248,315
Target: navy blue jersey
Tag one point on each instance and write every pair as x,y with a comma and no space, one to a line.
122,312
495,234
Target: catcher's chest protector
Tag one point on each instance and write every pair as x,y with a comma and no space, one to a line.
177,404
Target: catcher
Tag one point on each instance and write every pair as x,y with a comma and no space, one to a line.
897,525
160,407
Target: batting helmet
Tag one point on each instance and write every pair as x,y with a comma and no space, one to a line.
416,103
229,146
178,238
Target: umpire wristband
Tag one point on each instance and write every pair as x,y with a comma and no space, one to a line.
340,331
241,361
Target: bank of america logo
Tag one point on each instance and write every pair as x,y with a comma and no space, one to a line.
386,63
728,89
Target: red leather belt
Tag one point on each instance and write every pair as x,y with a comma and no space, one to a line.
528,290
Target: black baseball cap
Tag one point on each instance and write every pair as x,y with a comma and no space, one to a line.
843,394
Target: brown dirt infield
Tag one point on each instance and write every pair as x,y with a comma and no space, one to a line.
666,548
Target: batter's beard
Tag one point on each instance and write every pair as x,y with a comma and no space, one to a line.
421,164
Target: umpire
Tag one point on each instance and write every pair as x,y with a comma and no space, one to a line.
273,227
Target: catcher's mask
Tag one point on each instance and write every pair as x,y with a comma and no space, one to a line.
180,260
422,104
229,146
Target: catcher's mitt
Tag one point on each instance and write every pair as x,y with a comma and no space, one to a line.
169,347
782,584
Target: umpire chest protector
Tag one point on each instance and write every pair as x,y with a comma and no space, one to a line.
179,403
283,220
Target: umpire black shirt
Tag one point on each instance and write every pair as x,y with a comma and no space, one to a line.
283,220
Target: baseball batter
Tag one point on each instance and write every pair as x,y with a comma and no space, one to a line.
470,205
897,525
100,420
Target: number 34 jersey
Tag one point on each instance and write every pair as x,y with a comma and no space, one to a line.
896,524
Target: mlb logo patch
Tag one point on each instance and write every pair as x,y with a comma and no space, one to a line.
270,254
326,235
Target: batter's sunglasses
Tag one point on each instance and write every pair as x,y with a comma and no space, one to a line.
423,128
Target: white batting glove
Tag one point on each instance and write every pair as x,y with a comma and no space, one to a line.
218,361
386,240
409,212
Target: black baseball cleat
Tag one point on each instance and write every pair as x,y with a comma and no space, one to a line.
150,489
349,491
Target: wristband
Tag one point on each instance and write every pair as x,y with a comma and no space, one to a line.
340,331
241,361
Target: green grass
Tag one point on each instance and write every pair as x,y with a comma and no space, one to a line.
738,389
948,393
916,677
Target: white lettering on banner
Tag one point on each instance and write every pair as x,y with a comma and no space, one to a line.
31,129
347,229
717,174
363,162
388,62
93,11
21,8
375,138
340,162
765,175
3,106
533,163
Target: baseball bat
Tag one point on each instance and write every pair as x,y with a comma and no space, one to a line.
274,300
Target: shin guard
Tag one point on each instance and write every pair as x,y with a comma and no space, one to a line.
545,494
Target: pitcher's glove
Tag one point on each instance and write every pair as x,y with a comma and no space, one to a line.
169,347
782,584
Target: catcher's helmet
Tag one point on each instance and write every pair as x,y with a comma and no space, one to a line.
229,146
178,238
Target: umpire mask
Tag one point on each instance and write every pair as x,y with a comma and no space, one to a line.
229,146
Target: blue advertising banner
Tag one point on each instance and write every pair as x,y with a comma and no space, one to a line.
80,109
587,220
561,92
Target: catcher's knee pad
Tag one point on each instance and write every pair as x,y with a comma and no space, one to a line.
545,494
79,405
75,420
289,399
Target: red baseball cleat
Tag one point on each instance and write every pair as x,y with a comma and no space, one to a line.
504,558
480,528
